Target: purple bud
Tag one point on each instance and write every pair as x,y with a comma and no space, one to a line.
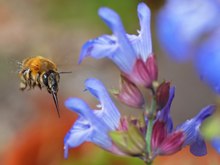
159,134
129,94
172,143
162,94
144,73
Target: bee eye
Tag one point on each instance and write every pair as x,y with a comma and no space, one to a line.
45,79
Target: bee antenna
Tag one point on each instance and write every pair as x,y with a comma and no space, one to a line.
64,72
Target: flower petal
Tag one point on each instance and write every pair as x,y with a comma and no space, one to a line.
109,113
172,143
191,127
142,43
207,62
103,46
198,148
164,114
125,56
87,128
78,134
129,94
144,73
159,134
180,25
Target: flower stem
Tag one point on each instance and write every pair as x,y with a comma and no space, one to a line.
150,115
149,163
148,136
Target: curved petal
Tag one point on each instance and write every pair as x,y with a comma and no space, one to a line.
79,106
171,144
142,43
198,148
89,127
125,56
191,127
164,114
78,134
159,133
100,47
109,113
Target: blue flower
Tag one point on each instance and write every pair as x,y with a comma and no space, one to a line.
125,136
182,23
131,53
92,126
207,62
191,132
166,140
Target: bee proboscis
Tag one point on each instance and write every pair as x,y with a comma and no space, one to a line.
42,72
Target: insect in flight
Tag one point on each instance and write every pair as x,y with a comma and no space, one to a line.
42,72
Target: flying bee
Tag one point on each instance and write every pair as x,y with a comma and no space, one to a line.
41,72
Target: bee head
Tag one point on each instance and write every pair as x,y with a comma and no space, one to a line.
50,80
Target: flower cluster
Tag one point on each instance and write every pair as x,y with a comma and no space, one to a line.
152,134
195,32
195,29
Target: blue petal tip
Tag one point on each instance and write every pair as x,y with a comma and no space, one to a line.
69,102
143,8
107,13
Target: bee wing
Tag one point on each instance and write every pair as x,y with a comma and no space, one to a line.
14,65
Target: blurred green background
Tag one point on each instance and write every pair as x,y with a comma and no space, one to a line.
31,133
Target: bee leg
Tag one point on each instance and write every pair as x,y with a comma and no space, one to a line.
30,85
39,86
30,80
23,86
38,81
23,83
26,77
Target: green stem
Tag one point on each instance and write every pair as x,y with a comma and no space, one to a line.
149,163
150,116
148,136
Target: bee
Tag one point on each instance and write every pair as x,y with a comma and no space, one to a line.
42,72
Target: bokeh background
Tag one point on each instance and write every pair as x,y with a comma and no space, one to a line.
30,131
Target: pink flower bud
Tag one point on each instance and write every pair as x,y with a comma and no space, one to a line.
129,94
144,73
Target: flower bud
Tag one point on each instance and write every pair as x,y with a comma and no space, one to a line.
129,139
144,73
129,94
162,94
